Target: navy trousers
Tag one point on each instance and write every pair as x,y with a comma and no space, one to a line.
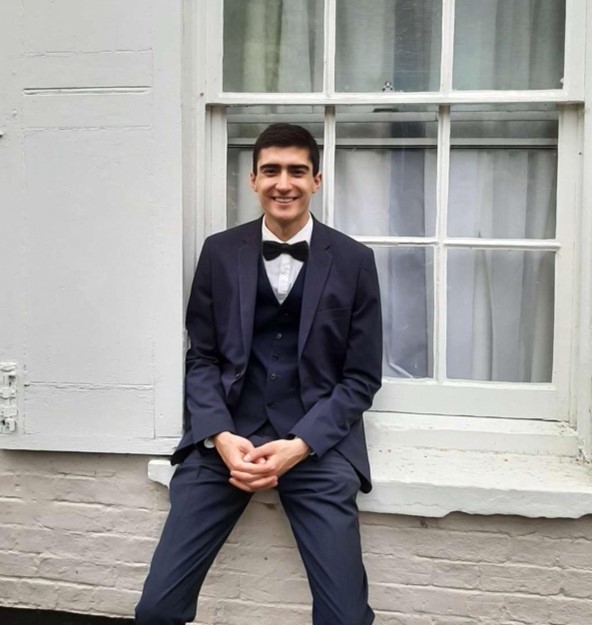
319,498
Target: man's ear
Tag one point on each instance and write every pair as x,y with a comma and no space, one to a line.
318,179
252,178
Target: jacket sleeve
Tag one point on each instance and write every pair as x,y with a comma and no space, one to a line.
205,406
331,418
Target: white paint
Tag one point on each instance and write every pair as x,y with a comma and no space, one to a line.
434,483
92,94
99,69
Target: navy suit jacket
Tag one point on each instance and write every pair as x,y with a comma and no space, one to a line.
339,340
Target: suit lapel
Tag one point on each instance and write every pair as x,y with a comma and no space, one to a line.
317,270
248,263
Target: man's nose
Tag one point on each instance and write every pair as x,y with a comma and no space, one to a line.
283,181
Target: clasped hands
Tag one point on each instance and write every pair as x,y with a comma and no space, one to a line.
258,468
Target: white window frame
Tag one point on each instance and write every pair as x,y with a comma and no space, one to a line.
433,464
430,396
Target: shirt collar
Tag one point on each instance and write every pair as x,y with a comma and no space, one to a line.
305,234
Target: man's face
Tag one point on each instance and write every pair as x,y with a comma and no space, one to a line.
285,183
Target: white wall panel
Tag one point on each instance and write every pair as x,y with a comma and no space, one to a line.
89,261
89,25
92,91
74,110
99,69
76,411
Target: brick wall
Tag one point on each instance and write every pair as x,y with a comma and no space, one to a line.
77,532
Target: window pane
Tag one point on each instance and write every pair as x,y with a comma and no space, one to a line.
407,290
503,173
509,44
272,46
385,172
388,45
500,315
244,126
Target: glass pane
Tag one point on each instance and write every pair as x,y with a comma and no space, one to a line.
385,171
387,45
503,173
271,45
509,44
500,315
244,126
407,290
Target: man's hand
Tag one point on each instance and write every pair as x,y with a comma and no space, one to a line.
255,475
276,458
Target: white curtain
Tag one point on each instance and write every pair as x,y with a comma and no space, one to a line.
500,304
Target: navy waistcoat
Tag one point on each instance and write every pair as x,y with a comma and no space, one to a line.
271,390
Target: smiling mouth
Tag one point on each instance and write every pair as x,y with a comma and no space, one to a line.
283,200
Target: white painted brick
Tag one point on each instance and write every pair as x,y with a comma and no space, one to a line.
243,613
515,578
557,610
115,601
447,574
390,618
477,547
38,594
386,569
76,570
59,515
266,588
16,564
250,559
16,512
73,598
577,584
130,576
77,532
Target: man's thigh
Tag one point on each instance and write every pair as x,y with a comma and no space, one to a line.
204,509
319,497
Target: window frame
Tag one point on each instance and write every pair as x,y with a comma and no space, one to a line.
554,401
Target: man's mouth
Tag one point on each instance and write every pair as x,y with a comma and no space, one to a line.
283,200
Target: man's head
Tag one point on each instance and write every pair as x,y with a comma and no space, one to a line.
285,176
286,136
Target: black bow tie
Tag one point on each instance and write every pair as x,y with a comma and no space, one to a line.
272,249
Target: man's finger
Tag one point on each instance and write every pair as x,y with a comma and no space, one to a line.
249,476
260,452
252,487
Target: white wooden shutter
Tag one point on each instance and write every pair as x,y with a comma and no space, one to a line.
91,224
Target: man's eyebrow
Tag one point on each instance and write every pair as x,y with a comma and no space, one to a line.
300,166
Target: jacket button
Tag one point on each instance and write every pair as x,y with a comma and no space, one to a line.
273,376
278,336
238,375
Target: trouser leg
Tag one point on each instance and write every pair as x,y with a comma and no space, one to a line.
319,497
204,509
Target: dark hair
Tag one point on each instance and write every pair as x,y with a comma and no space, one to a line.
287,136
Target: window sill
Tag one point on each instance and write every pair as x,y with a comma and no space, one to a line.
431,466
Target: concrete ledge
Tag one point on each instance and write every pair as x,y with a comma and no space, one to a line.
431,465
434,482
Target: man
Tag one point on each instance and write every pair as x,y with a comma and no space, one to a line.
285,329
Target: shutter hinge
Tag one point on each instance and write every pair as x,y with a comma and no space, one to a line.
8,405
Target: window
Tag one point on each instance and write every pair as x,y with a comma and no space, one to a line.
450,134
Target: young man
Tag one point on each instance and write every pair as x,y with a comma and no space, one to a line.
286,352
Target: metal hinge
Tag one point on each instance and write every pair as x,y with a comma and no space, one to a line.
8,405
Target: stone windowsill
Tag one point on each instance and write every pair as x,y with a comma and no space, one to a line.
431,466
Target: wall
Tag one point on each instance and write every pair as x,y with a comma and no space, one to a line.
77,532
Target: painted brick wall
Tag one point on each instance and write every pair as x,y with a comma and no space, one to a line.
77,532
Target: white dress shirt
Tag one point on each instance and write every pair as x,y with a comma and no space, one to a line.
283,270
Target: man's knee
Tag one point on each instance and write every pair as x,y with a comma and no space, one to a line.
149,612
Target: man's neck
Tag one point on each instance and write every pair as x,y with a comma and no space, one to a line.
287,232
